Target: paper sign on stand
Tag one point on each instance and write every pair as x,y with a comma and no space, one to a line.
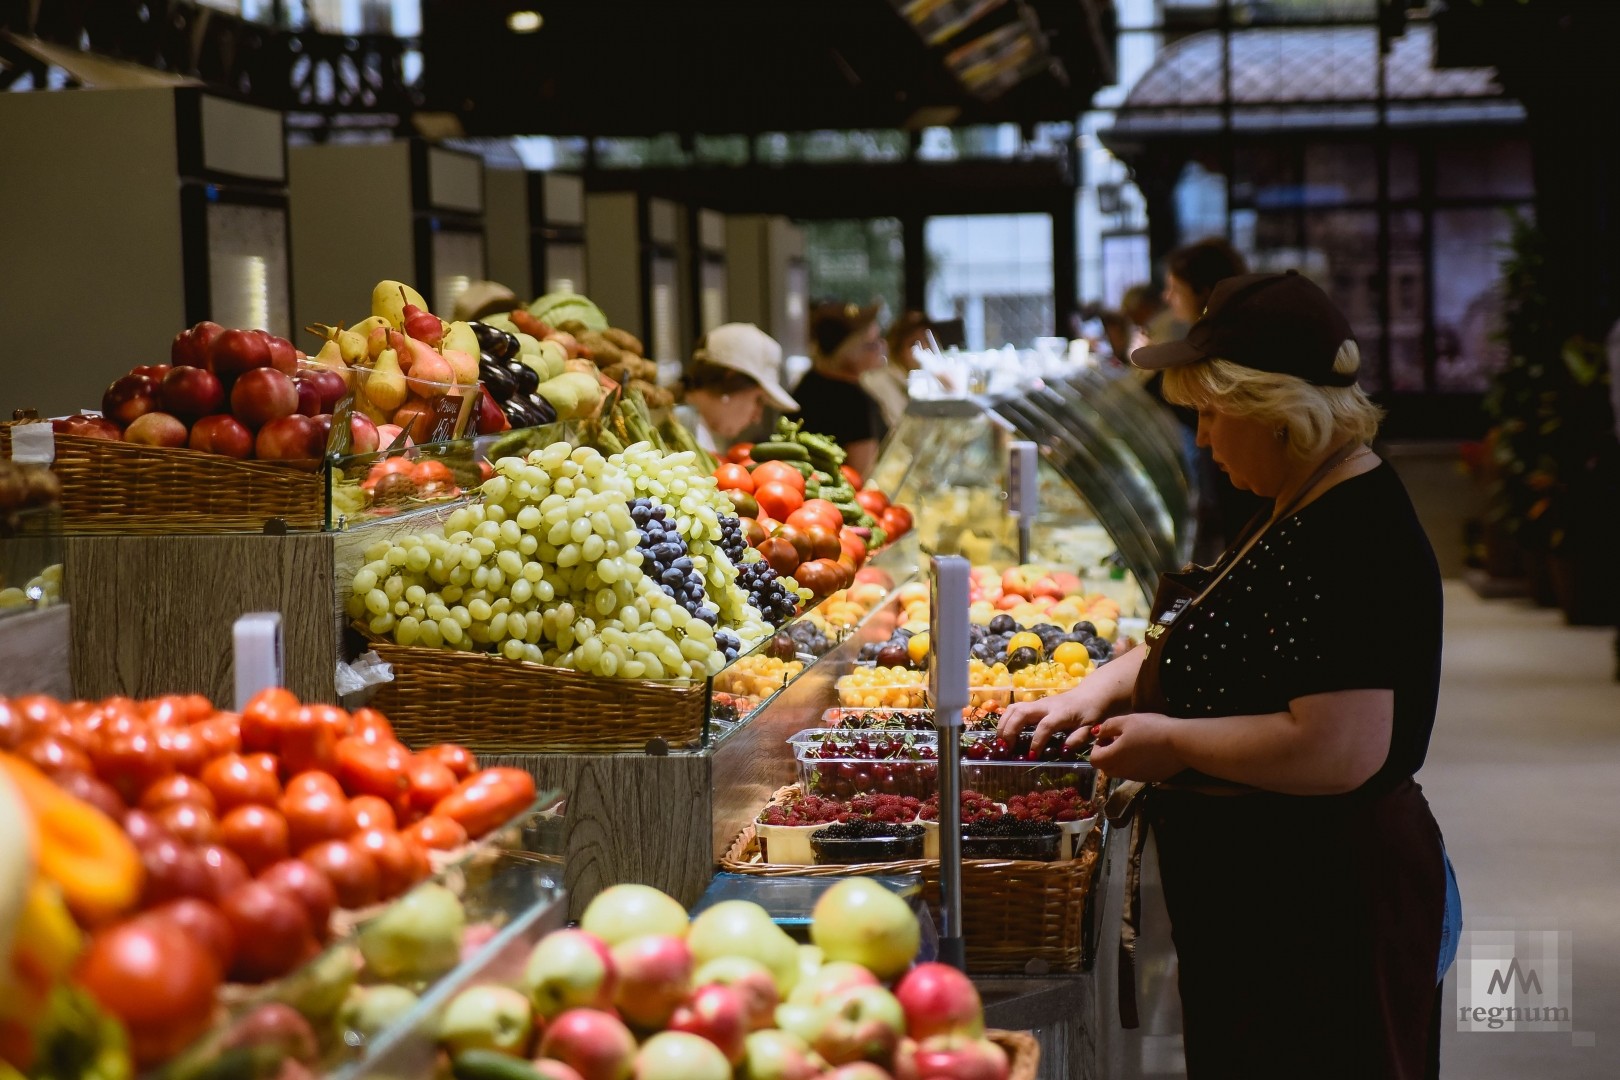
257,637
948,647
1023,493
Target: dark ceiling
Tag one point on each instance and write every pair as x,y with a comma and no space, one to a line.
637,67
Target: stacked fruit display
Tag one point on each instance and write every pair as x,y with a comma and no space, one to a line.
194,846
616,566
581,327
638,991
1028,595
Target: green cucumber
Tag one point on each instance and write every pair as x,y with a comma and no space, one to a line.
779,451
491,1065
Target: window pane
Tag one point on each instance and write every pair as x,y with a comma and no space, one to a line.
1407,303
1468,251
1342,257
1200,203
1404,179
1269,240
994,272
1494,168
1340,173
1265,176
857,261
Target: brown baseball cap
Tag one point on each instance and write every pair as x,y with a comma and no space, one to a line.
1281,323
832,323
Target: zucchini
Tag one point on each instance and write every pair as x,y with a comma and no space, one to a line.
491,1065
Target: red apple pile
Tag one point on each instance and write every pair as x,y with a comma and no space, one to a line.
639,991
237,393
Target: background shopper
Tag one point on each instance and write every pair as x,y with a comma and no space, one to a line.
845,344
1302,869
734,374
890,385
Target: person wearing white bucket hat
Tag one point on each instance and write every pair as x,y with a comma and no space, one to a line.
735,372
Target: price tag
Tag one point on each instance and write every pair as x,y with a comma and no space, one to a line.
257,637
948,642
33,444
1022,493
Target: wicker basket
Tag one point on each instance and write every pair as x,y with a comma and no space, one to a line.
493,705
1014,911
117,487
1023,1053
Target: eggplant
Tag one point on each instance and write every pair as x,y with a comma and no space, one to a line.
497,379
523,375
543,409
522,413
513,346
494,341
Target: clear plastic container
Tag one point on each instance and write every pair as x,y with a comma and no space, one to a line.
1001,780
845,778
806,742
854,692
869,719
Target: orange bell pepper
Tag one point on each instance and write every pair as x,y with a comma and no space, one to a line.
82,850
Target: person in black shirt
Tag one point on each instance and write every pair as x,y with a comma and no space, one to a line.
845,343
1269,726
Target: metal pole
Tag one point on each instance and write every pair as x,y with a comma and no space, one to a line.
1023,491
948,675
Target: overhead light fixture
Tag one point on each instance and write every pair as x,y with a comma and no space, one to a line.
524,22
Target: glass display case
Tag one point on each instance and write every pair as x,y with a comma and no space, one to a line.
1115,496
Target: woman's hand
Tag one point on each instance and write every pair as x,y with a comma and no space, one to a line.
1137,746
1071,713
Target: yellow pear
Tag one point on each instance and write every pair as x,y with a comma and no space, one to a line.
385,386
459,336
389,298
331,357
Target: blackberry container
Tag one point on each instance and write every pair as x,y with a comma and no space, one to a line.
843,851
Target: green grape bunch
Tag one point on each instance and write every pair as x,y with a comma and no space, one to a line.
546,568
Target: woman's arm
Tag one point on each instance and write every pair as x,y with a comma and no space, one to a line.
861,455
1100,695
1325,744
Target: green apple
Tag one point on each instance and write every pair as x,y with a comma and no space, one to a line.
418,937
369,1010
487,1018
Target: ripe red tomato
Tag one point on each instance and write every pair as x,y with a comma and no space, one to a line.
488,799
733,477
432,471
437,833
738,453
236,781
156,979
200,921
306,742
873,501
257,834
219,735
173,870
896,521
458,759
315,817
86,788
310,886
129,762
226,870
266,715
273,934
171,710
51,754
143,829
372,727
178,788
430,781
851,475
189,823
370,812
778,472
365,768
396,861
852,545
778,500
307,783
185,749
31,714
352,872
830,515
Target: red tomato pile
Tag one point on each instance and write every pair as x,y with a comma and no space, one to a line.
806,539
251,831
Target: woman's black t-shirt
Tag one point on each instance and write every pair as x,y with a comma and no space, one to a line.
1343,594
842,410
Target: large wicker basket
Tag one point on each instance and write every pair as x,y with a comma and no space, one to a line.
1014,911
1023,1053
117,487
493,705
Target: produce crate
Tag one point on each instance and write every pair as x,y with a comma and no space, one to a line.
1013,911
118,487
493,705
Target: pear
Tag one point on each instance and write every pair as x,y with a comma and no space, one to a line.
430,373
365,326
554,359
411,352
385,386
424,326
389,298
460,337
501,322
463,366
352,346
528,345
331,356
